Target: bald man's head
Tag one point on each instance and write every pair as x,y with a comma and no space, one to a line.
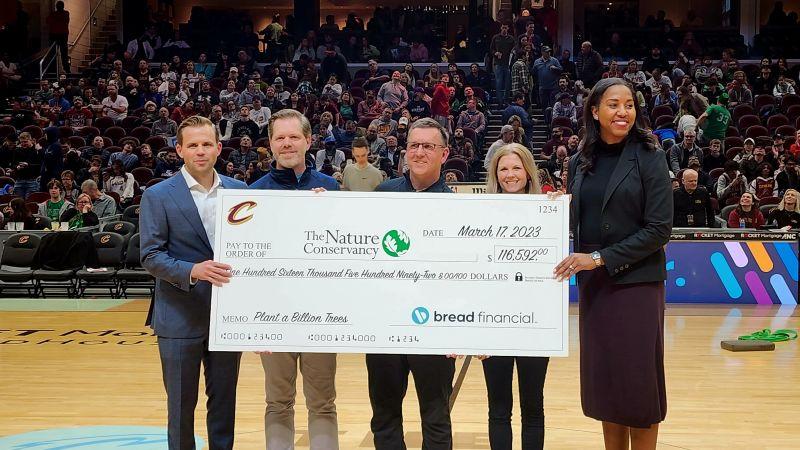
690,180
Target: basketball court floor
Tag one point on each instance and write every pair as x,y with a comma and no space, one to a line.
85,374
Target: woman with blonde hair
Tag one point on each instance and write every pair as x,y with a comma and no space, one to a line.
515,174
512,170
787,214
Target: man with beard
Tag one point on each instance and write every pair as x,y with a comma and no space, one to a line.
377,144
370,108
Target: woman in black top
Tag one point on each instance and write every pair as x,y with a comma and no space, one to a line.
787,214
621,218
19,212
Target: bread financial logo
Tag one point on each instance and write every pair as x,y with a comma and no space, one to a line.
105,239
396,243
24,239
234,214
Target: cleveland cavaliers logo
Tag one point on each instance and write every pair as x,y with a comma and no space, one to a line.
234,214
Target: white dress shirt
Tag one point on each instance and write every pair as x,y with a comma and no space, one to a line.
206,202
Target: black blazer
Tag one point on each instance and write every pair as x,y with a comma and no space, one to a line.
637,214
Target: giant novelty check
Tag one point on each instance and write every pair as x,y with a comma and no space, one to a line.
420,273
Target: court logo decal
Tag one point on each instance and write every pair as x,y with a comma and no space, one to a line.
92,438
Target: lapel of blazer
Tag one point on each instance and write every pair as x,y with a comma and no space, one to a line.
576,187
183,199
626,163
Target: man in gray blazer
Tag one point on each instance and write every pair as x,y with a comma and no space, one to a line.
177,233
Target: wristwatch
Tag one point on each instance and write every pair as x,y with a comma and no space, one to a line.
598,260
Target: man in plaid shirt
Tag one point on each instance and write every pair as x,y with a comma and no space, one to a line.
521,77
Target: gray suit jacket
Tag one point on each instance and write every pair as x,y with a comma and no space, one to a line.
173,240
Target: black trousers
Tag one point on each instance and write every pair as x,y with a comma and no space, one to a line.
61,42
180,366
388,382
531,372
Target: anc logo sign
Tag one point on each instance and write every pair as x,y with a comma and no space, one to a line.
396,243
234,212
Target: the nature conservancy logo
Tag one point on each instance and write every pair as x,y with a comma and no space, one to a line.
236,213
396,243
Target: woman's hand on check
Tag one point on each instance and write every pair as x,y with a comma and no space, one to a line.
573,264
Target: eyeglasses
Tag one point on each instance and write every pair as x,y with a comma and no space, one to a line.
427,147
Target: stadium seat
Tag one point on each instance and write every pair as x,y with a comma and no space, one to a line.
762,101
479,92
133,141
115,196
133,275
748,121
661,110
103,123
35,132
235,142
732,131
788,101
122,228
769,200
662,121
357,91
756,131
459,174
766,209
37,197
65,132
7,130
226,152
142,175
76,142
110,247
115,134
561,122
33,207
732,152
787,131
776,121
89,133
131,214
457,164
153,182
793,113
733,141
357,82
15,263
130,122
726,211
741,110
156,142
140,133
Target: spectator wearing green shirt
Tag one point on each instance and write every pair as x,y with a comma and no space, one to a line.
56,206
714,121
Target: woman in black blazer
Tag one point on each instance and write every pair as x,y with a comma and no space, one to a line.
621,218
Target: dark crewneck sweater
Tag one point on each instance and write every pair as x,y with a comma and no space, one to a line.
593,189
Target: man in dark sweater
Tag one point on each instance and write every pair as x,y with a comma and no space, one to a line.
692,203
27,163
433,374
290,139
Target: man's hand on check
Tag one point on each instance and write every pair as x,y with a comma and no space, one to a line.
212,271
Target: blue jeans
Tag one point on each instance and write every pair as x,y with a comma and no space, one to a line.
502,82
25,187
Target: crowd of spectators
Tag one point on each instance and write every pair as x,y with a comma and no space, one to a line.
732,128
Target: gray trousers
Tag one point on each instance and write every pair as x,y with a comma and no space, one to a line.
319,373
